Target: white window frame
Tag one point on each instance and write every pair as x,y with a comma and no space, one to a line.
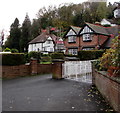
73,51
72,39
87,37
88,48
49,41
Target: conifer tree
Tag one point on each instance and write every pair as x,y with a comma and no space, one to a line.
15,35
26,34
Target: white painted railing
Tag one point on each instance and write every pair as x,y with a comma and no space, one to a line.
78,70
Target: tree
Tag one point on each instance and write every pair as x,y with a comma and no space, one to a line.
15,35
35,28
26,34
110,8
101,11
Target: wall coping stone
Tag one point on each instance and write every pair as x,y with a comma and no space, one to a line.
57,60
105,73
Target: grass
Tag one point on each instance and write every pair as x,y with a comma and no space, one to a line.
45,62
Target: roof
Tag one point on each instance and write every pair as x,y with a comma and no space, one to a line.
76,29
42,38
118,7
113,30
98,29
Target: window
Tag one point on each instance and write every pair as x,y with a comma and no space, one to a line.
87,37
72,51
49,42
72,39
51,49
88,48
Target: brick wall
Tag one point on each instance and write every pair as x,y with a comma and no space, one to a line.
44,68
93,43
96,40
80,43
57,70
109,88
68,45
25,70
32,68
15,71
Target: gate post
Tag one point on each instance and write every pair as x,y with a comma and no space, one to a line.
93,74
57,68
33,64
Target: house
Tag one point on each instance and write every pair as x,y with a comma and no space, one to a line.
109,22
47,42
90,37
117,11
96,36
59,47
72,40
43,43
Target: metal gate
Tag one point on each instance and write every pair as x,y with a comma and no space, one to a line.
78,70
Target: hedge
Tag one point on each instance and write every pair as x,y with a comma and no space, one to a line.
11,59
90,54
57,55
34,54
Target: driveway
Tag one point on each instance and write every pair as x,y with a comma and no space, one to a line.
41,93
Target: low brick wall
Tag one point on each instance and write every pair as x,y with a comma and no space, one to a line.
15,71
31,69
44,68
109,88
24,70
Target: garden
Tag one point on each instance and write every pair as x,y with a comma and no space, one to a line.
110,60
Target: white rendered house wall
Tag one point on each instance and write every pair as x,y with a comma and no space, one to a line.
117,13
35,47
48,45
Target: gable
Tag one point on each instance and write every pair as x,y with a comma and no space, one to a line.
49,38
85,30
70,33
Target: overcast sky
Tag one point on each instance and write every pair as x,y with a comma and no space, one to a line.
10,9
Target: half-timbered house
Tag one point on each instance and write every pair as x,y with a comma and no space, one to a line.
89,37
72,40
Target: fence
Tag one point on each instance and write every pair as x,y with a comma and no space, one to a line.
78,70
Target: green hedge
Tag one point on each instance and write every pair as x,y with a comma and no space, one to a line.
90,54
12,59
34,54
57,55
45,59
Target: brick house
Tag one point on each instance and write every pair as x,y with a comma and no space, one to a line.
90,37
71,41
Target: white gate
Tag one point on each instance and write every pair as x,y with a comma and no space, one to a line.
78,70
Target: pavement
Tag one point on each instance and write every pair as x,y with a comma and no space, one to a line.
42,93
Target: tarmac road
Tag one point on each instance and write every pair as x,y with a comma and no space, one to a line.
41,93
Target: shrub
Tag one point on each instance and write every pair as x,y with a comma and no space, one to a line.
7,50
46,59
57,56
90,54
70,55
33,54
12,59
14,51
97,66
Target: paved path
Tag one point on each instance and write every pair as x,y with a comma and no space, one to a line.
41,93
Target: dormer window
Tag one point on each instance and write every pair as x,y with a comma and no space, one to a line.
87,37
72,39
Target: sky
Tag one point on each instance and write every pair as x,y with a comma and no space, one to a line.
10,9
